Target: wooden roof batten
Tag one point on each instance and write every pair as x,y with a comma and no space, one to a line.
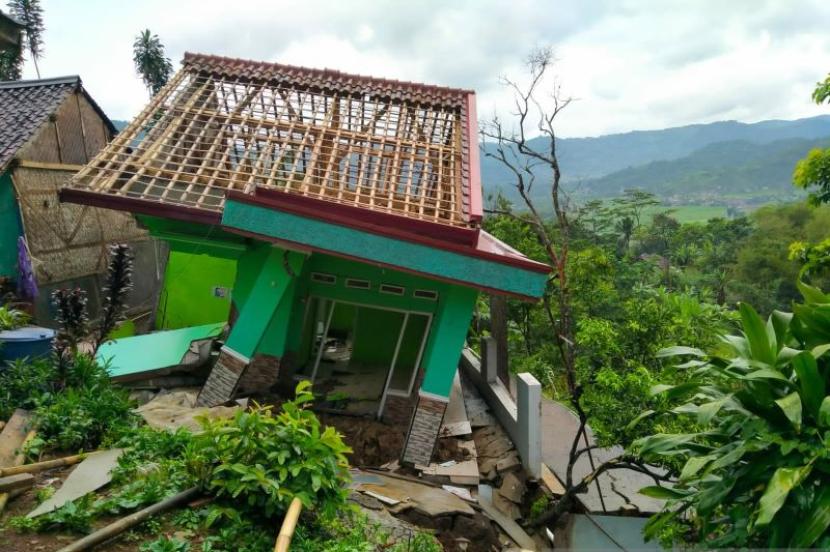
223,125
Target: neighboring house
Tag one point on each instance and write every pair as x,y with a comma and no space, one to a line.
48,129
10,31
351,209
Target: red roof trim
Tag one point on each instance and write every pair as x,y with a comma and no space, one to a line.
473,163
468,250
140,206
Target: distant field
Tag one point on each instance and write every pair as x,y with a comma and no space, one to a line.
692,213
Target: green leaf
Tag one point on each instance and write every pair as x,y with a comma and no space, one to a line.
662,492
694,465
812,294
764,373
640,417
810,528
791,407
679,350
756,335
780,484
707,411
824,413
810,381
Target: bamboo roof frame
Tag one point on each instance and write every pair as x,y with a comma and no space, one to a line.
222,125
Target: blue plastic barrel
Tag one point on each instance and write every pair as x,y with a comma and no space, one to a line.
30,341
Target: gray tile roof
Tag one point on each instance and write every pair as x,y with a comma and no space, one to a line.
24,106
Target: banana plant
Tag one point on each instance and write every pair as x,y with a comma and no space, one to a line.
756,470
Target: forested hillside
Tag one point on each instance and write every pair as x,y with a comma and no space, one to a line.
729,163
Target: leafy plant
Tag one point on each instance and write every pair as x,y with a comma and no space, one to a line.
118,286
24,384
756,472
81,417
263,461
166,544
11,319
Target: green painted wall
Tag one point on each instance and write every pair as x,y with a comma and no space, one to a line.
188,297
373,247
10,227
262,284
446,339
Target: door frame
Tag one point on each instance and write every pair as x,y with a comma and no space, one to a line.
393,365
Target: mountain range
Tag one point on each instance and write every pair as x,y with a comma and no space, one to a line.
723,163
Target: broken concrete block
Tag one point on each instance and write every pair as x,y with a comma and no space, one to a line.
509,463
512,488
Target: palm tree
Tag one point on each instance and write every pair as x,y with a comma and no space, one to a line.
30,13
150,63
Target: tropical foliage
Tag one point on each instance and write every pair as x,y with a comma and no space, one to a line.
30,14
756,466
265,460
151,64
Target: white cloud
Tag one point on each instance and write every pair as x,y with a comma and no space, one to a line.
631,64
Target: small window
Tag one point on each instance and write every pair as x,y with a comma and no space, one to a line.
426,294
390,289
357,284
323,278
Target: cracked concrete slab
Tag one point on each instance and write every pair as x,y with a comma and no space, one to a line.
612,491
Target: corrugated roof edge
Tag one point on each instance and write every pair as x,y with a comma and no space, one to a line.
74,80
194,57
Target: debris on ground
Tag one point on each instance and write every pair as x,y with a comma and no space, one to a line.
12,437
485,498
177,408
90,475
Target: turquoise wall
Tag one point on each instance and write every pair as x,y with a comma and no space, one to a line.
10,227
377,248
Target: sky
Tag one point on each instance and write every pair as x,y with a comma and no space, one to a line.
628,65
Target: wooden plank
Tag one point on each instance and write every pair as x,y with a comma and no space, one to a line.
15,482
12,437
552,482
513,530
49,166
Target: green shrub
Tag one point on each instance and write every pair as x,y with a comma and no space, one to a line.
262,461
11,319
24,384
756,472
83,414
165,544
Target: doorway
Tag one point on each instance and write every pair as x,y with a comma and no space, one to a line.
357,354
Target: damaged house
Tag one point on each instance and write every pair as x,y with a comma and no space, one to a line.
350,208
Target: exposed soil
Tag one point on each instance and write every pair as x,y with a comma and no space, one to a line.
476,532
374,443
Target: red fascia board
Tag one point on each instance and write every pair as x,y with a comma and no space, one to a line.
360,217
139,206
349,222
476,205
299,247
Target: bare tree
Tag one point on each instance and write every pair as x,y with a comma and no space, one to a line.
536,111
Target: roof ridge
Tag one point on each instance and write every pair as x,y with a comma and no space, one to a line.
32,83
193,56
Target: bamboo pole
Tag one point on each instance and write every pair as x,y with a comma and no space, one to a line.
116,528
19,459
41,466
288,526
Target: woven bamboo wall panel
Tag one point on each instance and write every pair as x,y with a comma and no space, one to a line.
96,134
214,129
66,240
